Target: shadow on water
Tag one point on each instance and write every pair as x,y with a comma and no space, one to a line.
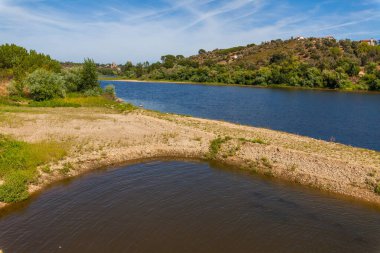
168,205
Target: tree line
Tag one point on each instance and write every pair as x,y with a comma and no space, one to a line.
37,76
313,62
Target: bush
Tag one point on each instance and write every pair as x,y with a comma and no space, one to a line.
43,85
371,81
73,79
109,90
97,91
377,189
15,88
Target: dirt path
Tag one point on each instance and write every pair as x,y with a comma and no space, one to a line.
100,137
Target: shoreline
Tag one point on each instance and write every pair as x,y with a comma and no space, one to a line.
104,138
281,87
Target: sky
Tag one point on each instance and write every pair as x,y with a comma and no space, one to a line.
144,30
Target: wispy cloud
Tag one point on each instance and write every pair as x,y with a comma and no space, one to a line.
116,30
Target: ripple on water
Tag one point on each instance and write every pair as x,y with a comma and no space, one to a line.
187,207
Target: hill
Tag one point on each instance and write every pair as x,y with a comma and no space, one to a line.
311,62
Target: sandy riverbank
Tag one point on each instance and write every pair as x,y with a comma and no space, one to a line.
100,137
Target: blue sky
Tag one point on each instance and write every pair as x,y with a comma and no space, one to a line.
139,30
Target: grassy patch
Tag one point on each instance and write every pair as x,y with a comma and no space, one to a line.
266,163
256,140
66,169
7,101
46,169
377,189
54,103
12,100
76,100
18,165
216,144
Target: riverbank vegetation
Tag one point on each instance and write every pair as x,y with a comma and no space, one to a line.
28,78
32,80
311,62
35,76
18,165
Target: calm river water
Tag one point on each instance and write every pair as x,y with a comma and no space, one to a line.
184,207
348,118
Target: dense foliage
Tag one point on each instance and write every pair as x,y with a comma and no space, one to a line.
39,77
16,62
89,76
44,85
313,62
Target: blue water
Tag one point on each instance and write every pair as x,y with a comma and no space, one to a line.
186,207
348,118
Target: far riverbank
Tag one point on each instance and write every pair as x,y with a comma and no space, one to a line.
285,87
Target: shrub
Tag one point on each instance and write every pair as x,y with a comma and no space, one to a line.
15,88
377,189
97,91
372,81
43,85
109,90
72,78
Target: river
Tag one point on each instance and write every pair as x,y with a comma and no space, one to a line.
348,118
179,206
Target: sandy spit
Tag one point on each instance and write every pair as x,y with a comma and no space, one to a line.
100,137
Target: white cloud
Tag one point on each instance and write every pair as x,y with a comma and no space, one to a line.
116,33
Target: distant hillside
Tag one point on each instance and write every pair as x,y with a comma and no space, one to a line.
310,62
310,51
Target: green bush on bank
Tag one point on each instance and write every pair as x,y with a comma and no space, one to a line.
109,90
72,78
43,85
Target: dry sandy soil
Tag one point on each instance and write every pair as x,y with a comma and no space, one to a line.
3,88
101,137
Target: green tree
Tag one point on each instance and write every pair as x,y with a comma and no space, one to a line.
168,61
370,68
201,51
372,81
11,55
89,76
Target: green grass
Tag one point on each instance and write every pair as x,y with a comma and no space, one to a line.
53,103
12,101
215,146
377,189
66,169
266,163
7,101
72,100
257,140
18,165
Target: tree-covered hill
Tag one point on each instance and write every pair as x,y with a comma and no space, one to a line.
311,62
